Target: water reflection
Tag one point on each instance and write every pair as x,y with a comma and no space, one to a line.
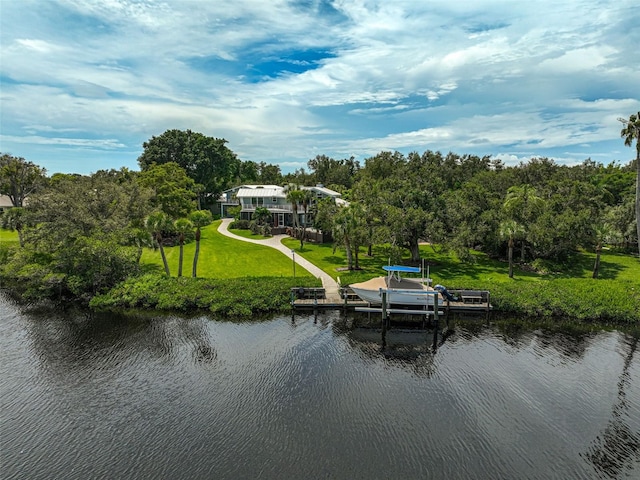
313,396
616,450
407,348
81,340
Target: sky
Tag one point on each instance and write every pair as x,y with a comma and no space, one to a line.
84,83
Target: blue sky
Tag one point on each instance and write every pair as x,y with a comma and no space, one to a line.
85,83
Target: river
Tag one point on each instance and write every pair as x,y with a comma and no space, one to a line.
170,397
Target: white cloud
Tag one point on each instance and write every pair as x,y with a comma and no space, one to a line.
401,75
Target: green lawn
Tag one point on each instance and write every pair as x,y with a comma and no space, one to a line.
224,257
247,234
445,268
8,236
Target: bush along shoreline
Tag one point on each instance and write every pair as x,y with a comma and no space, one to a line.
582,300
579,299
233,297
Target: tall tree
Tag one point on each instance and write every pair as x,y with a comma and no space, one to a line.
601,231
199,218
174,190
348,231
630,132
158,223
522,204
77,229
19,178
511,230
306,198
182,227
206,160
295,195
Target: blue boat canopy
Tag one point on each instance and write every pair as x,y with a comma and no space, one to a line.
401,268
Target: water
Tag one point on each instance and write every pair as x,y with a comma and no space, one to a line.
170,397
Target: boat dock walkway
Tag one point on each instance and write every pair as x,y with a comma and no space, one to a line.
330,286
315,298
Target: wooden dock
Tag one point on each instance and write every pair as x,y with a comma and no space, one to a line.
316,299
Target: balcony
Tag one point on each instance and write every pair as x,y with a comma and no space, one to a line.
272,207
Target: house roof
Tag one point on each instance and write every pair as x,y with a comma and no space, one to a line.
263,191
324,190
276,191
5,201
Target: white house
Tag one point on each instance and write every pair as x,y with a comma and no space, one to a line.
5,203
271,197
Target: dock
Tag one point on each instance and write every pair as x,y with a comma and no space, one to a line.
319,299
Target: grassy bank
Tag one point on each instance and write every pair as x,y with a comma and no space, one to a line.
230,297
613,297
224,257
237,277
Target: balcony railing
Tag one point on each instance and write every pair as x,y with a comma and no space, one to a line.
269,206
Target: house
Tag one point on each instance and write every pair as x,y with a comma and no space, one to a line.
271,197
5,203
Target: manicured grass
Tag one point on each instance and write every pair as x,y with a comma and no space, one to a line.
224,257
447,269
246,234
8,236
614,296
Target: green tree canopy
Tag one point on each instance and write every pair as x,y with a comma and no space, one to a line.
174,191
631,132
206,160
19,178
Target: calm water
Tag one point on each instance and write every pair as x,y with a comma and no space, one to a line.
170,397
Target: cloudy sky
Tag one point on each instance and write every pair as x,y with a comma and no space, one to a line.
85,83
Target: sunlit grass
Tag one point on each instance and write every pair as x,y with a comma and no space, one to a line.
247,234
445,267
224,257
569,292
8,236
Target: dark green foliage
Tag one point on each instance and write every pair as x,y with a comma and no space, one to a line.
82,269
19,178
206,160
174,191
577,298
242,297
240,224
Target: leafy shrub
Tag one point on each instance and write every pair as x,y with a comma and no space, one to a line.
255,228
240,224
240,297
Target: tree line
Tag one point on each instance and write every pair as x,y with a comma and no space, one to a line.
82,234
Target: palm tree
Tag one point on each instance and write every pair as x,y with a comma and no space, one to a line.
182,226
630,132
199,219
306,197
139,237
510,230
601,232
522,204
294,197
348,231
157,223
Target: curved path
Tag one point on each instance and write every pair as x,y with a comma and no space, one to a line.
330,286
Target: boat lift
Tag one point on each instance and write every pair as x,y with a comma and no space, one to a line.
386,308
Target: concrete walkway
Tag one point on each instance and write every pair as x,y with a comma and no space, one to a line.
330,286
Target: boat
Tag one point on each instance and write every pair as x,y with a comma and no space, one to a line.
399,290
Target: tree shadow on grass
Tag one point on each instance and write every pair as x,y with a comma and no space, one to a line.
151,268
